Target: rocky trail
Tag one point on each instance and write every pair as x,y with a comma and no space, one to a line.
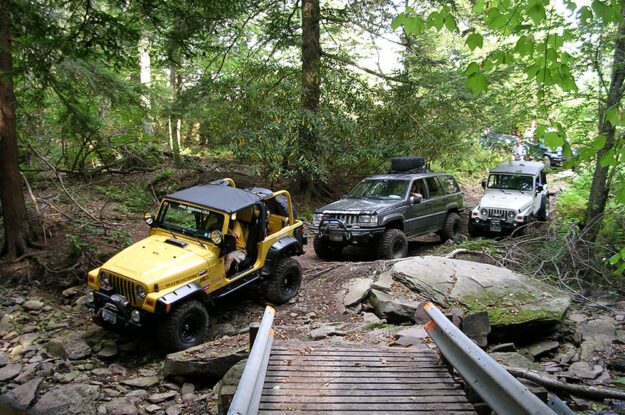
54,360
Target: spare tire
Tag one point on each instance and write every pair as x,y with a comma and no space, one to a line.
407,163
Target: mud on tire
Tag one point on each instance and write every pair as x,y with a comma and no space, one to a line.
284,282
452,228
185,327
392,244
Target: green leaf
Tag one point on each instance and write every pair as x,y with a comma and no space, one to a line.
585,15
602,10
472,68
599,142
478,7
436,20
537,13
477,83
620,196
524,45
553,139
475,40
414,24
614,259
398,21
450,23
494,18
612,116
608,159
619,270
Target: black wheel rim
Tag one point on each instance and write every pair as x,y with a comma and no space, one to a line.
288,286
190,327
397,249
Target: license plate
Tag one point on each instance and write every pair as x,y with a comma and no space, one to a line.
495,226
109,316
336,237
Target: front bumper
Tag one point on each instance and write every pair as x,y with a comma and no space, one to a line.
493,225
336,231
114,309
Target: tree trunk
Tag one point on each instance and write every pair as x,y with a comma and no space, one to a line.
145,77
311,64
600,189
174,131
16,227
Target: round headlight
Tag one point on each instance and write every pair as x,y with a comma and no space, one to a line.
511,214
484,212
104,279
216,237
140,292
317,218
135,316
90,297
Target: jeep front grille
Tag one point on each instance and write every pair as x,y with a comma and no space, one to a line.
347,219
498,214
124,287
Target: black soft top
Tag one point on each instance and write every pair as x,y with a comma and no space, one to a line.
219,197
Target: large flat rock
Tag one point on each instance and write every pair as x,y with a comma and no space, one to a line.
508,297
209,360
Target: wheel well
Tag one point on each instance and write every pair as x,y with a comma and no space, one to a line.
395,224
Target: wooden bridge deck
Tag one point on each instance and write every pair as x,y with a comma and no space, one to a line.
303,378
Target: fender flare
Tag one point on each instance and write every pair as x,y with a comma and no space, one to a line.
393,217
286,244
178,295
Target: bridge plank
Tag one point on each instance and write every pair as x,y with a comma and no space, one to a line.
303,378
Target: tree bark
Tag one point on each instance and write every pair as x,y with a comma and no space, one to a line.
16,227
583,391
311,91
145,77
600,189
174,122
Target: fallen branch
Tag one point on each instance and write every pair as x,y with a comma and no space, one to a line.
462,251
590,392
323,271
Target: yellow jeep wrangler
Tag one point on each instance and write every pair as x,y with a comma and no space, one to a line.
179,269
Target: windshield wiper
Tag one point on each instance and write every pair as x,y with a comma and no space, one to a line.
198,240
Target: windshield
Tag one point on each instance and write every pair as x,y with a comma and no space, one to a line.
380,189
511,182
189,220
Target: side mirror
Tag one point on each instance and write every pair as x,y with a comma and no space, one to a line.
483,184
415,200
539,188
148,218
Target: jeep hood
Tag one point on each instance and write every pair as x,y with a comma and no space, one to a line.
506,200
360,205
153,260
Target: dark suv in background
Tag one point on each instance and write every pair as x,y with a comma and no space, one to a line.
381,211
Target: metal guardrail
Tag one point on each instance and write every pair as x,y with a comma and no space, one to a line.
498,388
247,397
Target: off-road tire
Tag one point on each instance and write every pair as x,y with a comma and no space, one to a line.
452,228
327,249
474,231
284,282
186,326
547,161
543,213
407,163
392,245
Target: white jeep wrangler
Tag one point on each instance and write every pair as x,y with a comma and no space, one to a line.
514,194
